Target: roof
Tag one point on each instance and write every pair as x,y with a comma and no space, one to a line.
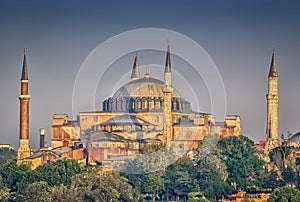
24,68
273,71
59,116
125,119
135,74
168,60
144,87
40,153
61,150
105,137
295,138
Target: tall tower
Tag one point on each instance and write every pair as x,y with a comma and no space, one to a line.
167,91
135,74
272,107
24,150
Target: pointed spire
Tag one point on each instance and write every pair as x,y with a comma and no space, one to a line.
24,69
168,59
135,74
273,71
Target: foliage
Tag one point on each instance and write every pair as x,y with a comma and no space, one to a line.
196,197
285,194
16,177
152,184
98,186
289,176
180,177
282,157
146,163
36,192
6,154
212,176
272,180
58,172
243,165
150,148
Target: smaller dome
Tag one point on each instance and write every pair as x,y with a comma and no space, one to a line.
295,138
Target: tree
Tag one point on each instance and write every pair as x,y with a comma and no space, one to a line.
36,192
58,172
4,191
16,177
289,176
283,157
6,154
242,162
285,194
152,184
212,176
100,186
155,158
180,177
272,180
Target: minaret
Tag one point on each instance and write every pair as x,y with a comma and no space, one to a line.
167,92
135,74
24,150
168,74
272,107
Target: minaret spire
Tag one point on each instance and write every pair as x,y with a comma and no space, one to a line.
168,60
168,73
273,70
24,69
135,74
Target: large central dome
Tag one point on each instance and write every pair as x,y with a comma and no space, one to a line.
144,87
145,94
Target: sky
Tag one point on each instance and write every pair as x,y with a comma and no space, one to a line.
60,34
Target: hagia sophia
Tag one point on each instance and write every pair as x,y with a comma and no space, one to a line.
143,111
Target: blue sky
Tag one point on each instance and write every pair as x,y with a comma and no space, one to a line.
238,35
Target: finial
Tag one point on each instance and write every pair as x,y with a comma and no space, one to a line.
24,51
168,41
147,75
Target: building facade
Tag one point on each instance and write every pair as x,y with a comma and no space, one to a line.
148,110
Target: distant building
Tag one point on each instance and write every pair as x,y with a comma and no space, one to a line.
2,146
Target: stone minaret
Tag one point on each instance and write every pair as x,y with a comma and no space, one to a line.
24,150
135,74
167,91
272,110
